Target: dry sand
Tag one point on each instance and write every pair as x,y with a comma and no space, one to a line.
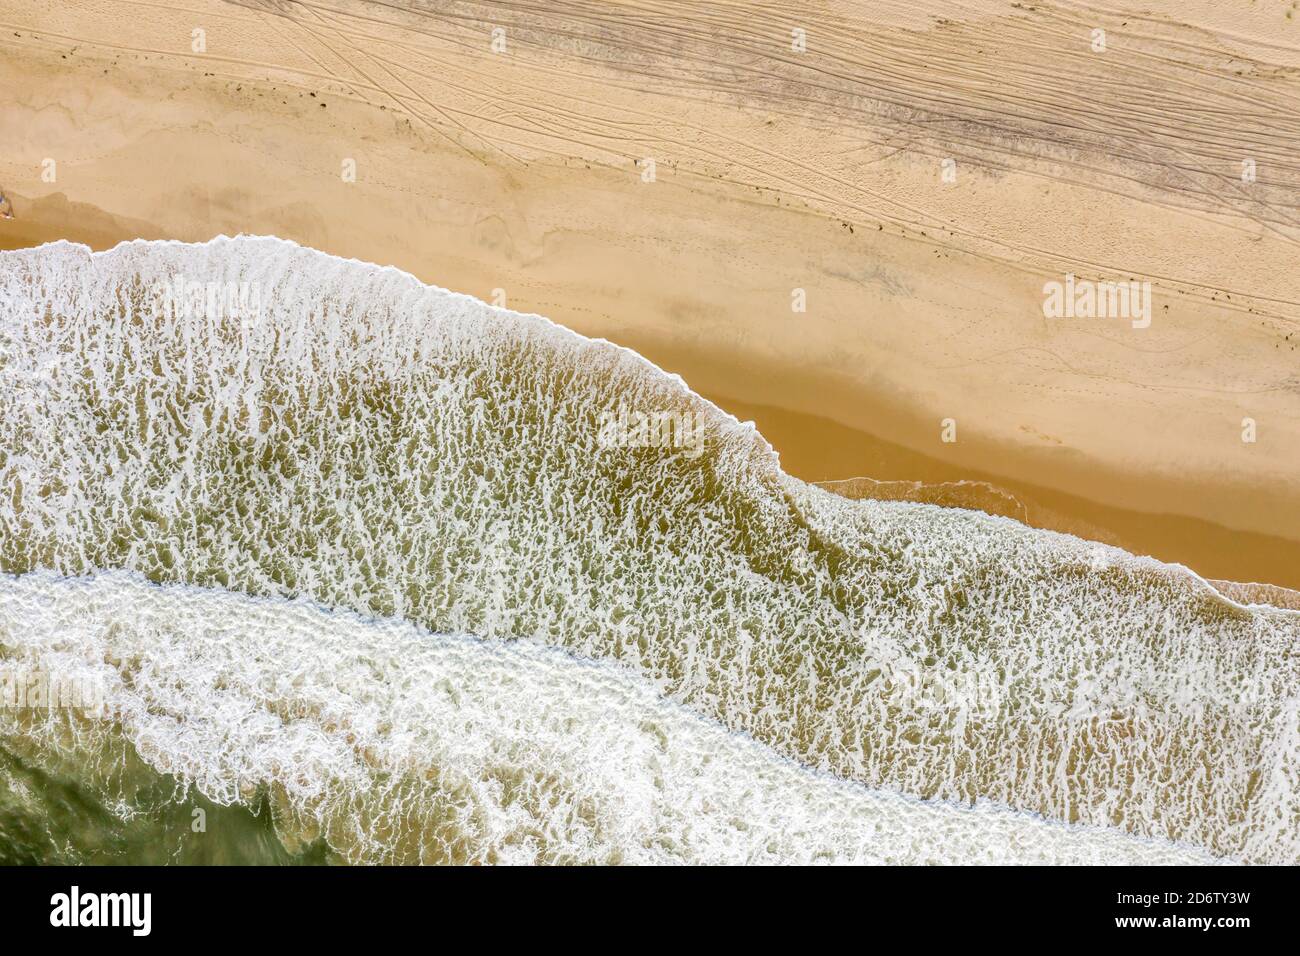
524,170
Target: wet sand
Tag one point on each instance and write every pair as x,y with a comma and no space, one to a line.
525,171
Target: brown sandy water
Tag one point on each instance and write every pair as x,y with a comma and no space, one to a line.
820,450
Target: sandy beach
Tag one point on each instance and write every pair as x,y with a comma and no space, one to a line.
847,243
438,432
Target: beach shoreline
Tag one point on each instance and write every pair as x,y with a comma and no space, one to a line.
856,464
1128,436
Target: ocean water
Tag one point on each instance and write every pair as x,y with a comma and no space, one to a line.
545,646
374,741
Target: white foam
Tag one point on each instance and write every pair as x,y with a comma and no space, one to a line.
385,446
398,745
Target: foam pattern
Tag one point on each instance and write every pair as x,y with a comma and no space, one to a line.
399,746
376,444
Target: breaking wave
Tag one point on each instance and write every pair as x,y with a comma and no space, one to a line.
395,745
375,444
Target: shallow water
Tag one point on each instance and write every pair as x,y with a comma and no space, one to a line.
270,730
377,445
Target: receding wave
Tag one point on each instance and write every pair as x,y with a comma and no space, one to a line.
376,444
390,744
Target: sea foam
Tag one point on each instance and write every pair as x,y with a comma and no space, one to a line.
376,444
398,746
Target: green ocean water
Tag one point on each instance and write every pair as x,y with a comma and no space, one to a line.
145,819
